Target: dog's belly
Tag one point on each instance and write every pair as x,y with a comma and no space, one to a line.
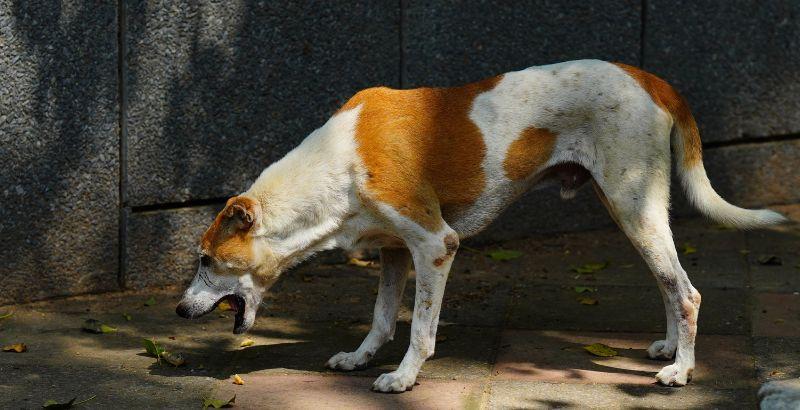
471,220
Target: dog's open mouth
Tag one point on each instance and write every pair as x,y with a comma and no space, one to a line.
238,306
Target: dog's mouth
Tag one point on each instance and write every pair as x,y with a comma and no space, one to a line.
238,306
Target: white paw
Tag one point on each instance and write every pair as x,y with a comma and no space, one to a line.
662,350
674,375
348,361
394,382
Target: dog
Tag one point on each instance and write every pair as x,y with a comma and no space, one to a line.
413,172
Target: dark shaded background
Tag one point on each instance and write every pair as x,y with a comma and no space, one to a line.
124,126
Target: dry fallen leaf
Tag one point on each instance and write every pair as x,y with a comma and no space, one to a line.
52,404
175,359
588,301
216,403
16,348
770,260
247,342
237,380
224,306
362,263
599,349
441,338
7,315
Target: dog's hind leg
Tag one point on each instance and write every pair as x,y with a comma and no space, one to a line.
660,349
640,205
395,266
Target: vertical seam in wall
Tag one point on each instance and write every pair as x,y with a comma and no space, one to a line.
401,45
642,33
123,144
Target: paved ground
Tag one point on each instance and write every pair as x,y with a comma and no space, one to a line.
511,334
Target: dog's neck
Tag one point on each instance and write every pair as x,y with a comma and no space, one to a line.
307,195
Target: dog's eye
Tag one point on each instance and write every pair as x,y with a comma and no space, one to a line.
205,260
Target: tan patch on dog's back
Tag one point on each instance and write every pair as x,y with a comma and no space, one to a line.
228,239
421,150
672,102
528,152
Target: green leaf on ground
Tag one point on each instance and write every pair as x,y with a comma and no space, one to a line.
94,326
590,267
153,348
247,342
150,301
504,254
582,289
770,260
723,227
599,349
688,249
217,403
7,315
127,317
52,404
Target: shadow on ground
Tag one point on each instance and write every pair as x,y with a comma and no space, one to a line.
512,333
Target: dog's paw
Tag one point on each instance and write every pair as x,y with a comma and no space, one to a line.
394,382
662,350
674,375
348,361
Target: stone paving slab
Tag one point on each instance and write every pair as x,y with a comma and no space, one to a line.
777,358
554,356
621,309
777,315
518,394
717,262
331,392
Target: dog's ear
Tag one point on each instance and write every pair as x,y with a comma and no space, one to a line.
243,211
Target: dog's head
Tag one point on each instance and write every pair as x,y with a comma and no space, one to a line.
235,265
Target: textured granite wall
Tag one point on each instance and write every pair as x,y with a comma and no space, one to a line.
59,149
124,127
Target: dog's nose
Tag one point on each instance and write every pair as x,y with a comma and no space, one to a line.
182,311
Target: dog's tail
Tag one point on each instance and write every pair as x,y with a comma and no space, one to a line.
688,153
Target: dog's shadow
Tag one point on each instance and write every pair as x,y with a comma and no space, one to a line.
463,350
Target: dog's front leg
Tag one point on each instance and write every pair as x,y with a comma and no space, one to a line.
432,260
395,265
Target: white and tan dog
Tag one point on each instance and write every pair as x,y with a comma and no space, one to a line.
413,171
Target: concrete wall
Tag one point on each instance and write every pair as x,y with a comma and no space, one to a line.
124,127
